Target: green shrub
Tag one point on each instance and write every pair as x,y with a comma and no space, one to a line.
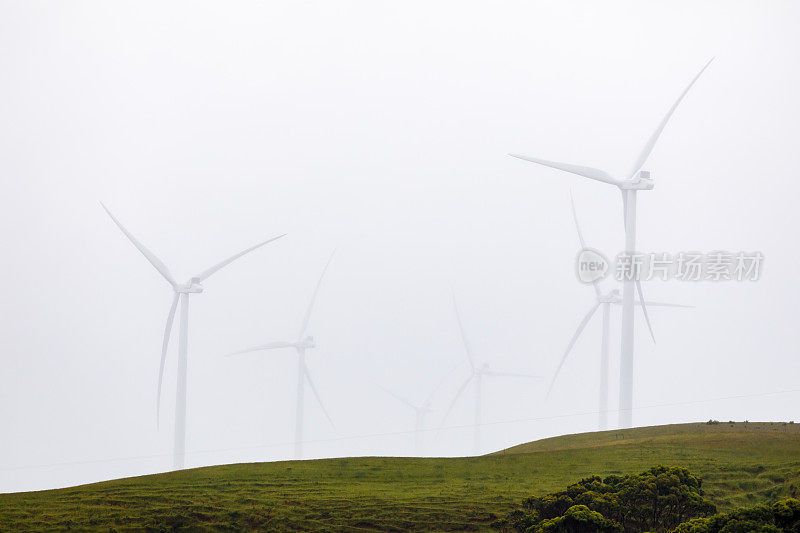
657,499
578,519
780,517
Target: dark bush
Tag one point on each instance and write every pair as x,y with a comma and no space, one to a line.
579,519
655,500
780,517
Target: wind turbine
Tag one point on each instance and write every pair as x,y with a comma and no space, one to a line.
181,292
304,342
635,181
420,410
605,301
477,374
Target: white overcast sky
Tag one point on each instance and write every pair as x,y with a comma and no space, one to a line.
379,129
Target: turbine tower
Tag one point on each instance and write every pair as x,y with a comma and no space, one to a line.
181,292
478,374
304,342
605,301
635,181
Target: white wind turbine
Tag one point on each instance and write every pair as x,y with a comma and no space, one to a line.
606,301
303,343
420,410
181,292
635,181
477,374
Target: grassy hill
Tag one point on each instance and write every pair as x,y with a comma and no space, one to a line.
741,464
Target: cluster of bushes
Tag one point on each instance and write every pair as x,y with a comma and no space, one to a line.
780,517
657,499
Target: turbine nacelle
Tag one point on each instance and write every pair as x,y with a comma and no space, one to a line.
192,287
307,342
640,182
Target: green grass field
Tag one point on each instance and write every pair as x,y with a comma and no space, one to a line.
741,464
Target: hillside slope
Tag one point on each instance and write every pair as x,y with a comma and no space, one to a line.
741,464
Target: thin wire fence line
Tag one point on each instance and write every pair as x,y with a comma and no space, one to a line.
401,432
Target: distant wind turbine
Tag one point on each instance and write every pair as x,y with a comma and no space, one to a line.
604,300
181,292
477,374
420,410
303,343
635,181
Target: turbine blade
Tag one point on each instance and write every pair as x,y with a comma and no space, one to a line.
467,347
651,142
150,256
439,385
575,218
206,273
268,346
316,394
307,317
572,341
398,398
644,308
455,399
586,172
580,237
164,344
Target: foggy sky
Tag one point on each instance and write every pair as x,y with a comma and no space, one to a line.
380,130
